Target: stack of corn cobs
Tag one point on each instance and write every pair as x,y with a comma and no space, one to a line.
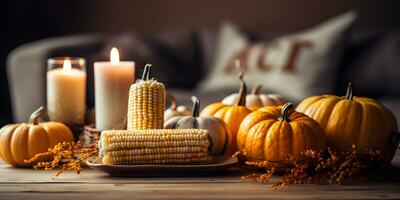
145,141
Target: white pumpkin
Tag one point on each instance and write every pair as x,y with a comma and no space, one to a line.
255,100
218,131
175,110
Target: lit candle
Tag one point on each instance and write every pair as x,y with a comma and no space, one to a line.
66,90
112,81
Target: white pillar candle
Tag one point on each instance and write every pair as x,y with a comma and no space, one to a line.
66,93
112,81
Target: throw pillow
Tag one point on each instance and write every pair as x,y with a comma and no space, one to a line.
296,65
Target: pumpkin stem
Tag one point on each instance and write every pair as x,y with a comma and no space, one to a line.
172,101
241,99
146,72
350,91
196,106
284,112
256,89
34,118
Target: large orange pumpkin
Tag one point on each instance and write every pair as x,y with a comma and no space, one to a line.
274,132
349,120
232,115
19,142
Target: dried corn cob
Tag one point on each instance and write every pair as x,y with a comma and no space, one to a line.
134,161
146,103
151,151
155,146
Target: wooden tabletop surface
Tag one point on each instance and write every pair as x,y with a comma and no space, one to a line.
19,183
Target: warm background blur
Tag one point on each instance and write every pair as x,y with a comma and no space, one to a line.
24,21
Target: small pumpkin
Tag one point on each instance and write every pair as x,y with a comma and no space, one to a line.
255,100
221,138
19,142
274,132
175,110
232,115
349,120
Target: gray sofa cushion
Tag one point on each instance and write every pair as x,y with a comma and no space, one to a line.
394,105
373,65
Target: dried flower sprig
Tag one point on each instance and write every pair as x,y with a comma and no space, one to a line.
326,166
64,156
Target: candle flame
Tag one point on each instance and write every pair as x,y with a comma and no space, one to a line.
67,66
114,56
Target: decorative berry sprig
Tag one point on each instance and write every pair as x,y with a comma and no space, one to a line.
326,166
64,156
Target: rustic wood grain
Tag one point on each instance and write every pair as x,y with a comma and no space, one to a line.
23,183
194,191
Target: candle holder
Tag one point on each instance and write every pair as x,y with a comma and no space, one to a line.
66,90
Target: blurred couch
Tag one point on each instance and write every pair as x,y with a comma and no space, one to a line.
371,60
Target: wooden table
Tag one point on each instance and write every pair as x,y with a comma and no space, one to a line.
16,183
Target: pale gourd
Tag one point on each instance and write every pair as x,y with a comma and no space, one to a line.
175,110
221,138
255,100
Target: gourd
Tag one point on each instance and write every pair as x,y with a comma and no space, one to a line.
274,132
221,137
351,120
146,103
255,100
19,142
232,115
175,110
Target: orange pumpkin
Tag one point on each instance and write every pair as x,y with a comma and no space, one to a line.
19,142
232,115
349,120
274,132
